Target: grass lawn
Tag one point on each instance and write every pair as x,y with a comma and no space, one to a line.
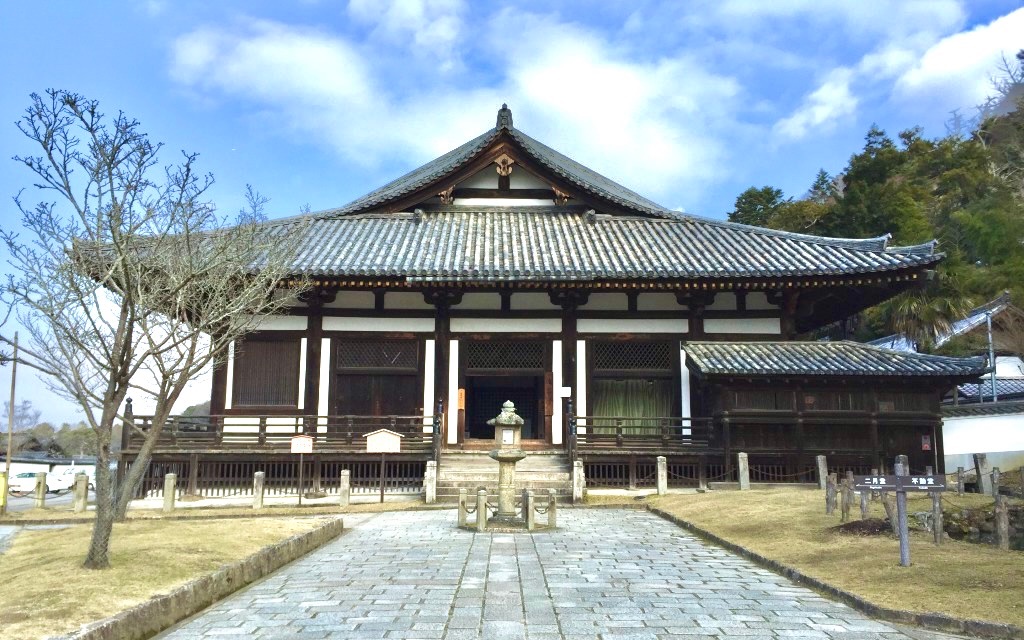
961,579
48,592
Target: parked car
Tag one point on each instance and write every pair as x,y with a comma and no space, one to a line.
60,479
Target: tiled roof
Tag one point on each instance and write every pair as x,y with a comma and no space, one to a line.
984,409
822,359
1005,388
460,243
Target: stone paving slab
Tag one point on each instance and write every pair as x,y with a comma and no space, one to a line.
606,574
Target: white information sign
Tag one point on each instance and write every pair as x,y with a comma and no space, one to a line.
302,444
383,441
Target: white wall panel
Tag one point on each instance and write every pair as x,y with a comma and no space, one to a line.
421,325
557,402
506,325
630,325
743,325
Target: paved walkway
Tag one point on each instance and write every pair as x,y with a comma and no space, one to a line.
606,574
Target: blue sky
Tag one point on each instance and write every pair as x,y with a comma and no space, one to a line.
689,103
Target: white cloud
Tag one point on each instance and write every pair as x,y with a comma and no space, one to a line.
434,26
825,107
649,124
958,68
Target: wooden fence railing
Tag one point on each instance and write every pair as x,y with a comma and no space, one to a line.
593,434
274,432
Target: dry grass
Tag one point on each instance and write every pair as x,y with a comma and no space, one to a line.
65,512
48,592
789,525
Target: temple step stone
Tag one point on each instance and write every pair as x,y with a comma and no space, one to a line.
473,470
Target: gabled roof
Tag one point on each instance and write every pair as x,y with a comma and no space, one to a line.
824,359
617,234
974,319
463,243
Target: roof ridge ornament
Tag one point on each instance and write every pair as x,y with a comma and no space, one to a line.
504,117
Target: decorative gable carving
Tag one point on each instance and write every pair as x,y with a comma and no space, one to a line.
504,164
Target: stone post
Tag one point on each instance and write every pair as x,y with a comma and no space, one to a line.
463,503
170,480
996,481
528,512
662,475
258,480
822,471
830,494
1002,523
552,509
864,504
960,480
874,494
40,491
430,482
81,492
578,481
847,497
743,470
345,490
981,472
937,526
481,510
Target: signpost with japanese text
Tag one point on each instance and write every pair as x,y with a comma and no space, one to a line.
901,484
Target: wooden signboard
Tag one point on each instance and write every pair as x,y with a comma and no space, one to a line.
302,444
383,441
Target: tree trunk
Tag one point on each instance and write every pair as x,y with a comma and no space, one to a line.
130,486
99,547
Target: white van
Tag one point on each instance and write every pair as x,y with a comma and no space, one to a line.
60,479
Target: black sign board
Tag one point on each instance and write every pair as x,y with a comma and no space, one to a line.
900,483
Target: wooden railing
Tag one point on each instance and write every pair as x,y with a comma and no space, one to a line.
669,434
274,433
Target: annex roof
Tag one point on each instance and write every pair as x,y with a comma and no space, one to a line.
462,243
1006,388
844,358
974,319
983,409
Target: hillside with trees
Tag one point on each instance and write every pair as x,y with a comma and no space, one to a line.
965,190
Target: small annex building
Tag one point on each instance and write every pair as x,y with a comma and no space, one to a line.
622,330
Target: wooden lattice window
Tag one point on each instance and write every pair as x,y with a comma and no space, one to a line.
389,355
507,355
266,373
634,356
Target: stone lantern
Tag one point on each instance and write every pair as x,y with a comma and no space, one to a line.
508,427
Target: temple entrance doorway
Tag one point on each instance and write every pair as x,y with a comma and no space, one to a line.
486,394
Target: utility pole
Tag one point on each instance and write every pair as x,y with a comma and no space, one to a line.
10,427
991,358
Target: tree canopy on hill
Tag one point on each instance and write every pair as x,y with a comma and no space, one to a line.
965,189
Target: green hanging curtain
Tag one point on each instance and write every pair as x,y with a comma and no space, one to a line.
631,398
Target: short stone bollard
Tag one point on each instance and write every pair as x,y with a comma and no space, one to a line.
960,480
874,494
578,481
997,478
983,473
938,529
170,480
430,482
81,492
463,504
1002,523
528,511
552,508
847,497
662,475
345,490
481,510
743,471
258,480
830,494
822,472
40,491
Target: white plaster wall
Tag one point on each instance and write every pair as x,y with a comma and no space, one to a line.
758,301
506,325
658,302
684,386
405,300
323,407
606,302
522,179
229,388
531,301
743,325
580,407
628,325
486,179
504,202
556,378
724,301
301,404
983,434
428,382
420,325
453,392
281,323
480,301
352,300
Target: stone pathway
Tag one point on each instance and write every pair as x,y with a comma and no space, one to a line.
606,574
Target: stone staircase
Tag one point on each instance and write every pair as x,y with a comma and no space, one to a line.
539,471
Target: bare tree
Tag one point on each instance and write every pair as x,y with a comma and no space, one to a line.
132,281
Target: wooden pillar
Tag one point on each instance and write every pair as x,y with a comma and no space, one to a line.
193,474
569,300
939,448
442,299
726,442
220,385
789,305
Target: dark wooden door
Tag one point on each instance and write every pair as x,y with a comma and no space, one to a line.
377,395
